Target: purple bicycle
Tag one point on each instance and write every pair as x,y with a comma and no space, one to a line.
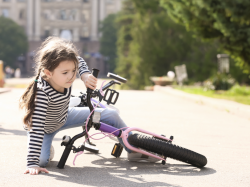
156,146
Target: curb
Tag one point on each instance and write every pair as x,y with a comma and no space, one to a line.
231,107
3,90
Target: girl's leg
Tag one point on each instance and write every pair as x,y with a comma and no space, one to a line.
78,115
111,117
45,151
76,118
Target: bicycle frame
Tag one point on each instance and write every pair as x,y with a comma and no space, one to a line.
124,135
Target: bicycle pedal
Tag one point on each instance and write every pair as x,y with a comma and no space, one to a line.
117,150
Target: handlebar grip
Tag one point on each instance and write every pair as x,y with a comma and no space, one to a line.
95,73
64,157
117,77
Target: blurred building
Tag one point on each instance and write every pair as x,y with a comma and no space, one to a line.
76,20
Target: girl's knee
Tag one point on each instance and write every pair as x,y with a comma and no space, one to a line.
43,161
114,113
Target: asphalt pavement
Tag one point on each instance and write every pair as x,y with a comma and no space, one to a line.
219,135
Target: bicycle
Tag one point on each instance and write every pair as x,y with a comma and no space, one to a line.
157,146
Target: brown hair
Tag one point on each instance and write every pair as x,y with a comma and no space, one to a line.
52,51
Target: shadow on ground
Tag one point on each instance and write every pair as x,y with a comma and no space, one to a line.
18,133
115,172
12,132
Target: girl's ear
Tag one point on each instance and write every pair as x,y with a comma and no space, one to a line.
47,73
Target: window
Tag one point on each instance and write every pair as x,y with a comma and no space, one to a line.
63,15
5,13
21,14
6,0
85,1
47,14
72,15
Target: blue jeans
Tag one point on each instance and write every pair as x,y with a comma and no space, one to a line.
76,118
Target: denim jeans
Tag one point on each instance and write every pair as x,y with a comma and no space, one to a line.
76,118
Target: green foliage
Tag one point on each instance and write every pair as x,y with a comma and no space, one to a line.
108,40
13,41
226,20
239,90
220,81
236,72
151,44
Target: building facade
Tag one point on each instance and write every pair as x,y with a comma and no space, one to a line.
75,20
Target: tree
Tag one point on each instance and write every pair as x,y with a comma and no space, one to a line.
13,41
226,20
108,40
151,44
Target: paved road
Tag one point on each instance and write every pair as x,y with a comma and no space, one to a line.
222,137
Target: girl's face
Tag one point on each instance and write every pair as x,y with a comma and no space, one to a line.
63,76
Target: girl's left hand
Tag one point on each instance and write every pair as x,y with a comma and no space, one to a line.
35,170
90,81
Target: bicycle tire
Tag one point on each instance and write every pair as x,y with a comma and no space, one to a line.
167,149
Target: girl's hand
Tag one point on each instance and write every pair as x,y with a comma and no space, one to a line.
89,80
35,170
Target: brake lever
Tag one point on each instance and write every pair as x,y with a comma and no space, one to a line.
110,84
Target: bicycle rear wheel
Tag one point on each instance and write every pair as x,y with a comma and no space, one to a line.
167,149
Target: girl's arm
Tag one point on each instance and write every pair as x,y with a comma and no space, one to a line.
82,68
36,134
89,80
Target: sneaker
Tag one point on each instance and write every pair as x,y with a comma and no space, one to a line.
91,147
137,157
114,138
52,153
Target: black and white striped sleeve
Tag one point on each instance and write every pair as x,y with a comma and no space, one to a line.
83,68
36,133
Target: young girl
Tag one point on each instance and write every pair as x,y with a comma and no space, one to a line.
46,100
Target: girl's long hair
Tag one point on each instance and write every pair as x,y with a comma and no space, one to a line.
52,51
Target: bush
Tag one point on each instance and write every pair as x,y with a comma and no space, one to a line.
220,81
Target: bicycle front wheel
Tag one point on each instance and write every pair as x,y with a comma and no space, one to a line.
167,149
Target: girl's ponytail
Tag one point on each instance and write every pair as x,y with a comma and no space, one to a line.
27,101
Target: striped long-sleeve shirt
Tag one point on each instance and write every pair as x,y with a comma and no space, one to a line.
50,114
